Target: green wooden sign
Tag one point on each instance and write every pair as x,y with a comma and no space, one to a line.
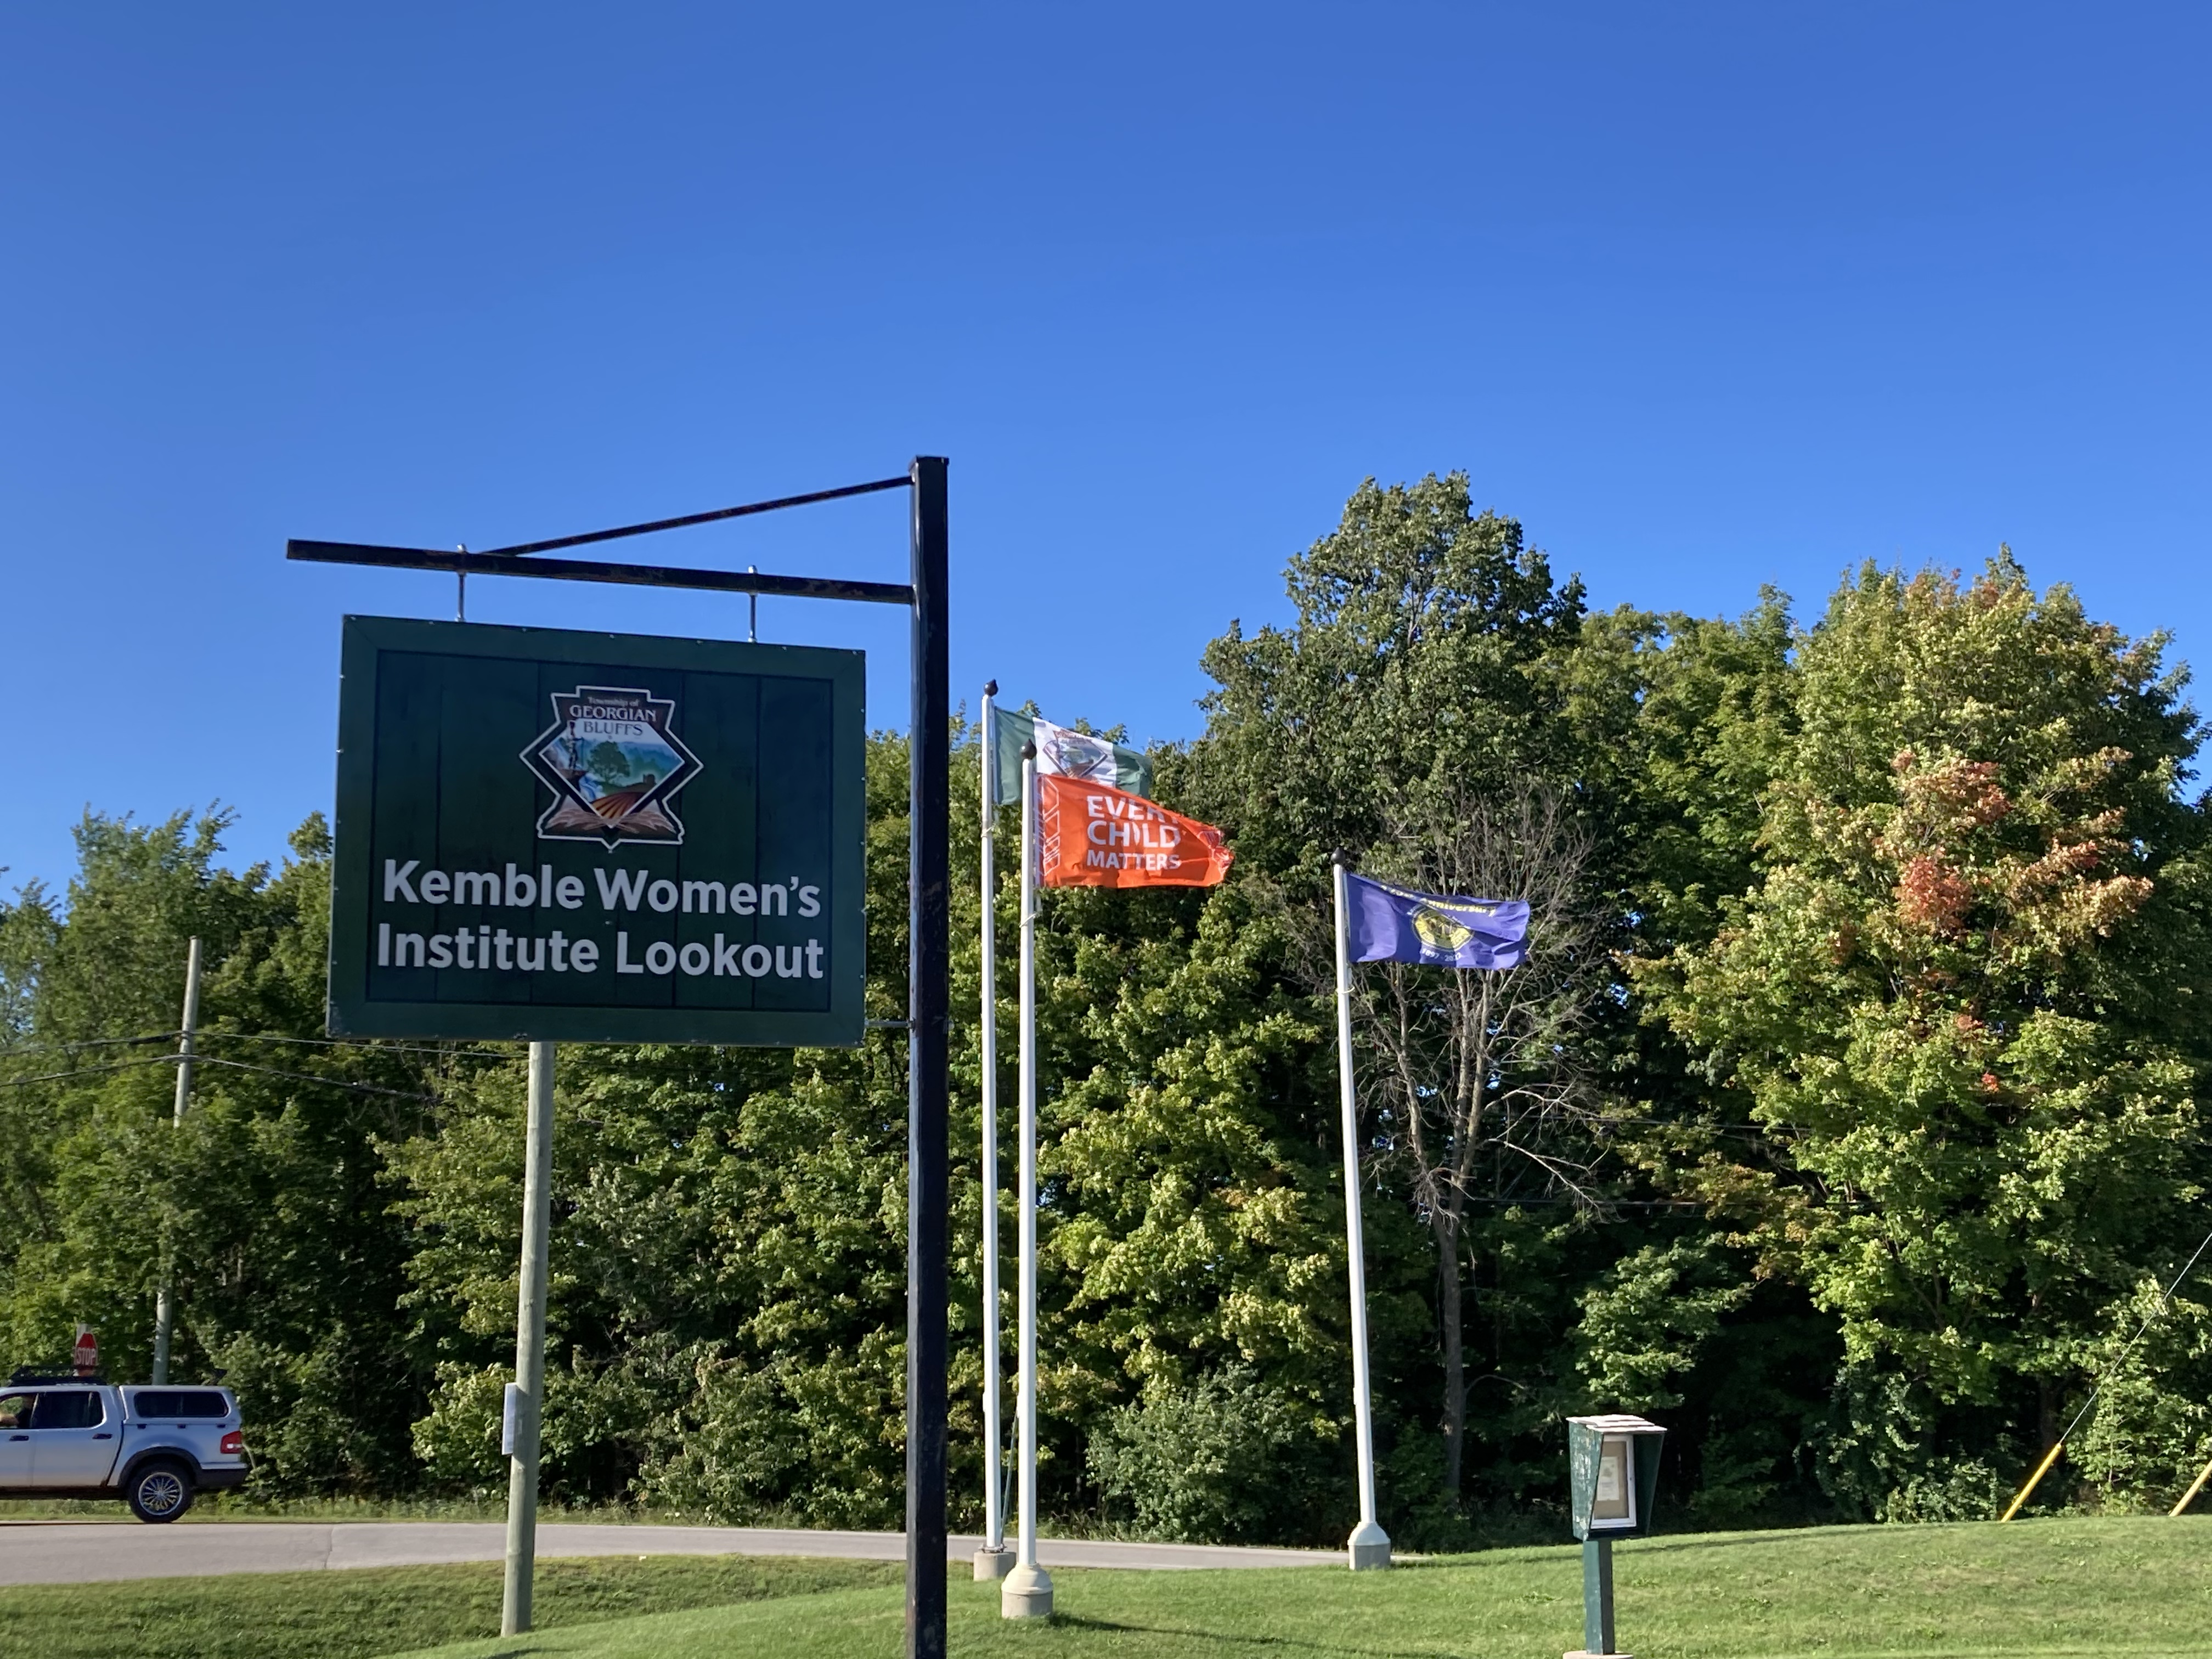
597,838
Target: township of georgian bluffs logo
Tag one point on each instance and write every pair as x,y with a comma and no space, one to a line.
613,765
1079,755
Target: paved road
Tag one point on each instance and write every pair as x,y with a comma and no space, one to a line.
80,1552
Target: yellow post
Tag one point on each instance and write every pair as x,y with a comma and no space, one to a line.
2029,1491
2190,1497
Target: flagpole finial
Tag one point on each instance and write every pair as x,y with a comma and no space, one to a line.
990,688
1341,858
1029,752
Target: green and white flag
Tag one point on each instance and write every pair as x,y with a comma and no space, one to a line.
1063,753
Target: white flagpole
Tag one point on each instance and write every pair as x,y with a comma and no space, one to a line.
1370,1544
1027,1592
991,1560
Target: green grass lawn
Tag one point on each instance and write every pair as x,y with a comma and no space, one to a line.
2043,1588
2034,1587
380,1610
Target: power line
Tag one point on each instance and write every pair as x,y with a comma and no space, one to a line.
87,1070
89,1042
308,1077
1511,1203
371,1045
211,1059
2164,1297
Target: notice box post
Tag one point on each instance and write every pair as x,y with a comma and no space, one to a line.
582,837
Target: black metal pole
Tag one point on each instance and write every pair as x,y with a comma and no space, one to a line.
929,1002
929,993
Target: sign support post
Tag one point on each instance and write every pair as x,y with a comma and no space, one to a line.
529,1348
929,1008
1613,1479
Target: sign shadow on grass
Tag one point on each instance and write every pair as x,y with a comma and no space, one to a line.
1077,1621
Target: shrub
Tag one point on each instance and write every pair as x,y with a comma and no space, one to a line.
1230,1460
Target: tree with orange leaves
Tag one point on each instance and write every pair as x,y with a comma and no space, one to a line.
1960,997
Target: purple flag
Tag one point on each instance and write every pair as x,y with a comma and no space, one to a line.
1387,923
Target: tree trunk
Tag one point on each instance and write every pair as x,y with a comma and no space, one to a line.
1446,1227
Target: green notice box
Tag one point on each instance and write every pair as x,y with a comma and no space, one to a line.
597,838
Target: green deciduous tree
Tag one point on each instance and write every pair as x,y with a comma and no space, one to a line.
1946,995
1852,1088
1429,653
1425,695
288,1265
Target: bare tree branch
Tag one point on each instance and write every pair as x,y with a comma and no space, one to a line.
1478,1070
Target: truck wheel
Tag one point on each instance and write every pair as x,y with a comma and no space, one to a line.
160,1491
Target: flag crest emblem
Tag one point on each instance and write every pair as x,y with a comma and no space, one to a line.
1440,931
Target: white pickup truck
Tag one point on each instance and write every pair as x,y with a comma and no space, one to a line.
153,1447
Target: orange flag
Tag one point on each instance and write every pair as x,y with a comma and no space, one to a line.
1093,835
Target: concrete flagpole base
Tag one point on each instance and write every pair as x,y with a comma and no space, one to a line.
1370,1546
991,1563
1027,1594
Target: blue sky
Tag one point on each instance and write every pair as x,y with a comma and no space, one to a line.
1708,296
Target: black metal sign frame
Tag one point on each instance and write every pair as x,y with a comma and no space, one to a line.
928,987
